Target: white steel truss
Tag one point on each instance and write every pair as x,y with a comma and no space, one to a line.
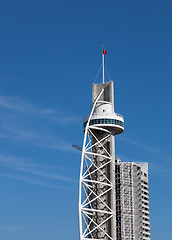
95,212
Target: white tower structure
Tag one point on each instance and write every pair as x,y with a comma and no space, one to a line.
97,201
113,195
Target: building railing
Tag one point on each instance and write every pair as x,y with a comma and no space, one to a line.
119,115
105,121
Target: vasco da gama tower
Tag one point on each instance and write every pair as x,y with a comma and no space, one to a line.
113,195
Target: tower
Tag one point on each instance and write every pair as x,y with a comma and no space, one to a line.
97,201
113,195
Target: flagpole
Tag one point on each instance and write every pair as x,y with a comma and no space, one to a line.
103,67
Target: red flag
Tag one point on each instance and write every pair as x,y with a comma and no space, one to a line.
104,51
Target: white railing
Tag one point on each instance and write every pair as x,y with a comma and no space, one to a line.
119,115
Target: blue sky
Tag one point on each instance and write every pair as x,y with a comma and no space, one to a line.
50,52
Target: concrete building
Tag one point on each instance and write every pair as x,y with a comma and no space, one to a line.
113,195
132,201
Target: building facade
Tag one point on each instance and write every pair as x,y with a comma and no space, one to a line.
132,201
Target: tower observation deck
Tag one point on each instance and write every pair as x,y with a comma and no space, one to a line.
104,115
97,202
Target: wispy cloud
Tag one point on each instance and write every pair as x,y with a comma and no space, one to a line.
22,124
33,131
15,228
13,161
140,145
160,169
19,169
25,179
29,109
45,140
9,228
19,165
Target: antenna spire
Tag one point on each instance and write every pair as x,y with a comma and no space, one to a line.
103,63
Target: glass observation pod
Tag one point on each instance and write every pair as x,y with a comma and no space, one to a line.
105,119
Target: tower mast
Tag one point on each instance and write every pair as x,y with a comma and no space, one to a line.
103,65
104,52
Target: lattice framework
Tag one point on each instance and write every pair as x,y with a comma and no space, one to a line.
94,211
